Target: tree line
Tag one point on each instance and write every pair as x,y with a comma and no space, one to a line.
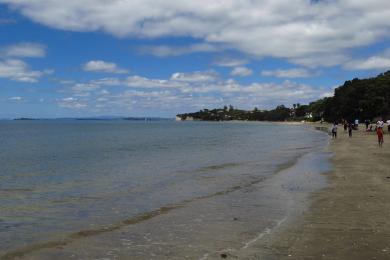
356,99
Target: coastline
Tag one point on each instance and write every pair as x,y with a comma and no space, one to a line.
348,219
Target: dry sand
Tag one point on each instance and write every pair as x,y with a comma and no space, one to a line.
350,219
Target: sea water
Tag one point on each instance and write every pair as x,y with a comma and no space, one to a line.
163,189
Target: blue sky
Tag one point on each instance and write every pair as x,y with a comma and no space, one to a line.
159,58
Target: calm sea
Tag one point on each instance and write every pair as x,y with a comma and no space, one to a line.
124,184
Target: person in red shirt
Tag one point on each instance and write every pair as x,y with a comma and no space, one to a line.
379,132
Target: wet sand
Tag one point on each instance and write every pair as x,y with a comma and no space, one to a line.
350,219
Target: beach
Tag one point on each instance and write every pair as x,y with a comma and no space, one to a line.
349,218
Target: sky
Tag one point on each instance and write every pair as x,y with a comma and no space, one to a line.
82,58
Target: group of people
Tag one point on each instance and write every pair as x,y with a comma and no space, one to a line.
349,126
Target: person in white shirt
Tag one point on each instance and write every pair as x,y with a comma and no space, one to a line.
334,131
388,125
380,123
356,124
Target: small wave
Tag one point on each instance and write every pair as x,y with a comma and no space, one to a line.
267,231
218,167
74,199
303,148
17,190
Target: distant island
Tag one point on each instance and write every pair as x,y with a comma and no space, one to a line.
146,119
25,119
356,99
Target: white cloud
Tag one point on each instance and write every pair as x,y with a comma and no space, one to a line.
229,62
197,76
321,60
107,82
165,50
371,63
48,71
265,28
72,103
177,80
24,50
85,87
104,92
142,82
241,72
18,70
103,66
379,61
288,73
15,98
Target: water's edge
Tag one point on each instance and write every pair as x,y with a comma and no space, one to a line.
302,204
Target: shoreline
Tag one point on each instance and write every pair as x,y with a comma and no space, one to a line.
348,219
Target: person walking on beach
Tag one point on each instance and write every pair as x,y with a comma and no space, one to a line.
367,122
379,132
350,129
334,131
345,125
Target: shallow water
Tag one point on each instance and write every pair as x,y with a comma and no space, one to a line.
124,184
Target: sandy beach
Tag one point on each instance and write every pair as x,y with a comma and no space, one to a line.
350,218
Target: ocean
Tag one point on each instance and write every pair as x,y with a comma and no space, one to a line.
118,189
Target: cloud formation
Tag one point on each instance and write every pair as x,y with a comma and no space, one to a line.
297,30
165,50
288,73
229,62
103,66
182,92
372,63
18,70
198,76
24,50
241,72
15,99
376,62
71,102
